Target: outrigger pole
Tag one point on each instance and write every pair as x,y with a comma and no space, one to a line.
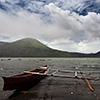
76,76
53,74
88,83
63,76
69,71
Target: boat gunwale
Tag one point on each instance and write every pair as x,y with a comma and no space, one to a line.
24,75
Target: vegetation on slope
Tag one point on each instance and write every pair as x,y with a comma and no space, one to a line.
33,48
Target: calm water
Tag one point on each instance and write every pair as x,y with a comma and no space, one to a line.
53,88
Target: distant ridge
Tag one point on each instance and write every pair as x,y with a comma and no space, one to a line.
29,47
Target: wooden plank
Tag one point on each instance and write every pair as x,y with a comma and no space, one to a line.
28,72
43,68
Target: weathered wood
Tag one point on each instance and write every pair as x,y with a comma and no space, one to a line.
88,83
92,72
62,76
55,71
75,73
65,76
95,79
43,68
28,72
46,72
66,71
70,71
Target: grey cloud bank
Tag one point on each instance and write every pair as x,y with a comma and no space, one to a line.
53,23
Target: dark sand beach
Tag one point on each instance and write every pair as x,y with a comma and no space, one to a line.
53,88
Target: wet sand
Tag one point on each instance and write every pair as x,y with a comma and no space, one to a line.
52,88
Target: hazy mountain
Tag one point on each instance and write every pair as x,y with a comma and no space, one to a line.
33,48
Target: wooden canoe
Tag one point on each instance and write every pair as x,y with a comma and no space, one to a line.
25,80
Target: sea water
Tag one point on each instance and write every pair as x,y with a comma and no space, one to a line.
54,88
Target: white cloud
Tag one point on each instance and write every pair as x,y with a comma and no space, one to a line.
66,31
91,23
62,44
22,26
89,46
77,29
83,46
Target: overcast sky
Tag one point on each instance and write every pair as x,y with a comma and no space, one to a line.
68,25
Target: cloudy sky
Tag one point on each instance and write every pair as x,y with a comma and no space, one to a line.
68,25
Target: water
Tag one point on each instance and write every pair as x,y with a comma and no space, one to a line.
53,88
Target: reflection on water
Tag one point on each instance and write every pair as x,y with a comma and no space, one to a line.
53,88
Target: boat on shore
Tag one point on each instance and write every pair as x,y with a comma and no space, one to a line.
25,80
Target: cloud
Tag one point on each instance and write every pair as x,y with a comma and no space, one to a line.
65,30
22,25
92,24
83,46
80,30
89,46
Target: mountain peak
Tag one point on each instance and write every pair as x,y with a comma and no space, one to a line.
27,39
23,48
30,42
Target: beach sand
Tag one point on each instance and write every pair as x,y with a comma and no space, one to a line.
51,88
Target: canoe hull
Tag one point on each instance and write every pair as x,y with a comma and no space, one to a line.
22,81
